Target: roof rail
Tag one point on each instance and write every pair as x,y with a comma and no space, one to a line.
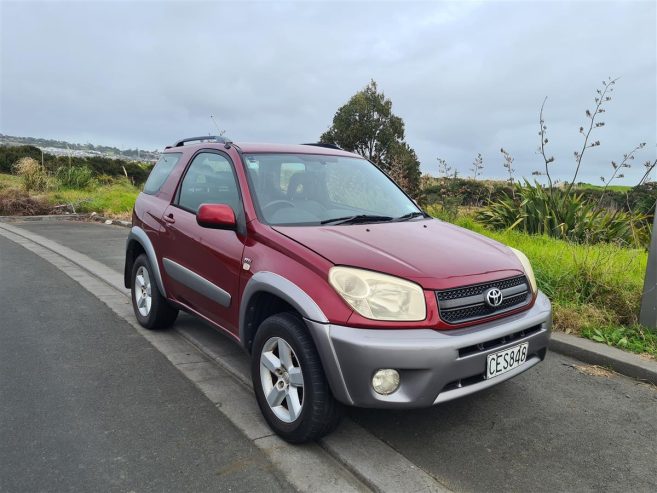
321,144
215,138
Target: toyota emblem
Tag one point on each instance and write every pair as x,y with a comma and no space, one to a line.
494,297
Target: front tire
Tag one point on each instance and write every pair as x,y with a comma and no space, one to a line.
289,381
152,310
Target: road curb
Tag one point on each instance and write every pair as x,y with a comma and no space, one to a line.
595,353
67,217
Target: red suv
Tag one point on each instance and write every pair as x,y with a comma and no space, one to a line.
340,288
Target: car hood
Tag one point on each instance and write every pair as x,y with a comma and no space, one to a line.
435,254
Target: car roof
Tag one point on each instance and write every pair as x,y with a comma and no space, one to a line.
249,147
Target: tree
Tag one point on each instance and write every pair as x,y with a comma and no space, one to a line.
404,168
367,126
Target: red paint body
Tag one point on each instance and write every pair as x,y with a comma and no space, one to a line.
434,254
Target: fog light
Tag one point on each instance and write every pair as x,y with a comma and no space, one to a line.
385,381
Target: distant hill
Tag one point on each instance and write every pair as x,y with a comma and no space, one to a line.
63,148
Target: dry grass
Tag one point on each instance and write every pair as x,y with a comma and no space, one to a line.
15,202
594,370
572,318
122,216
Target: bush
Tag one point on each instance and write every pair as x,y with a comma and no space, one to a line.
464,191
104,180
74,176
475,193
33,176
642,198
11,154
135,171
537,210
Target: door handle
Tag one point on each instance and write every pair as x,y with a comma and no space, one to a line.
169,218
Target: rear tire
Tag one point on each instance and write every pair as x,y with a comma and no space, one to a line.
289,381
152,310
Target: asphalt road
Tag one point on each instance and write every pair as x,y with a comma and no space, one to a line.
87,404
554,428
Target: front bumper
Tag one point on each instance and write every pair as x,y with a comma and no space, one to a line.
435,366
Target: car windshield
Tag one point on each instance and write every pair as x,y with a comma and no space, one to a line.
309,189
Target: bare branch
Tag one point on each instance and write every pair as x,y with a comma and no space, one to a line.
625,163
604,97
544,141
649,167
508,164
477,166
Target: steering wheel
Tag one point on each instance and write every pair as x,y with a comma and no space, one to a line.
275,205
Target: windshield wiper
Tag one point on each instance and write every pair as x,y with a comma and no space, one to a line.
408,216
360,218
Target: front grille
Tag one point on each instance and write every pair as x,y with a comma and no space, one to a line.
467,304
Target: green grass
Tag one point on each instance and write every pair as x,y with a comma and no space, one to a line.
592,287
635,338
9,181
115,199
615,188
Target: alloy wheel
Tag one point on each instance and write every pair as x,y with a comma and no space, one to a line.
282,379
143,291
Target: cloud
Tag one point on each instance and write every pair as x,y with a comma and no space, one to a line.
466,77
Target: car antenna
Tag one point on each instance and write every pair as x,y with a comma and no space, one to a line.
220,132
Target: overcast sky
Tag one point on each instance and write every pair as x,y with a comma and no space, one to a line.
466,77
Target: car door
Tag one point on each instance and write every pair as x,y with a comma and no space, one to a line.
203,265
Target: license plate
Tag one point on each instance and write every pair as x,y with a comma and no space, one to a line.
499,363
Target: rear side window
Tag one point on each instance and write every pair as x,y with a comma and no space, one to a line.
161,172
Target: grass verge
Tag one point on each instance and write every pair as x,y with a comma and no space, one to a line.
636,338
113,198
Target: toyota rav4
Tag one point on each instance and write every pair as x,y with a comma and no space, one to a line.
341,289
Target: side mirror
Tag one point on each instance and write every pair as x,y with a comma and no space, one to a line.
216,216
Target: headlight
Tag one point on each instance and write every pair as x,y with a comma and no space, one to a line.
379,296
528,268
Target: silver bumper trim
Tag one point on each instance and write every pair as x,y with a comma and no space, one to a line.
427,359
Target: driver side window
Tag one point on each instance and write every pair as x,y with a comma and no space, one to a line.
209,180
